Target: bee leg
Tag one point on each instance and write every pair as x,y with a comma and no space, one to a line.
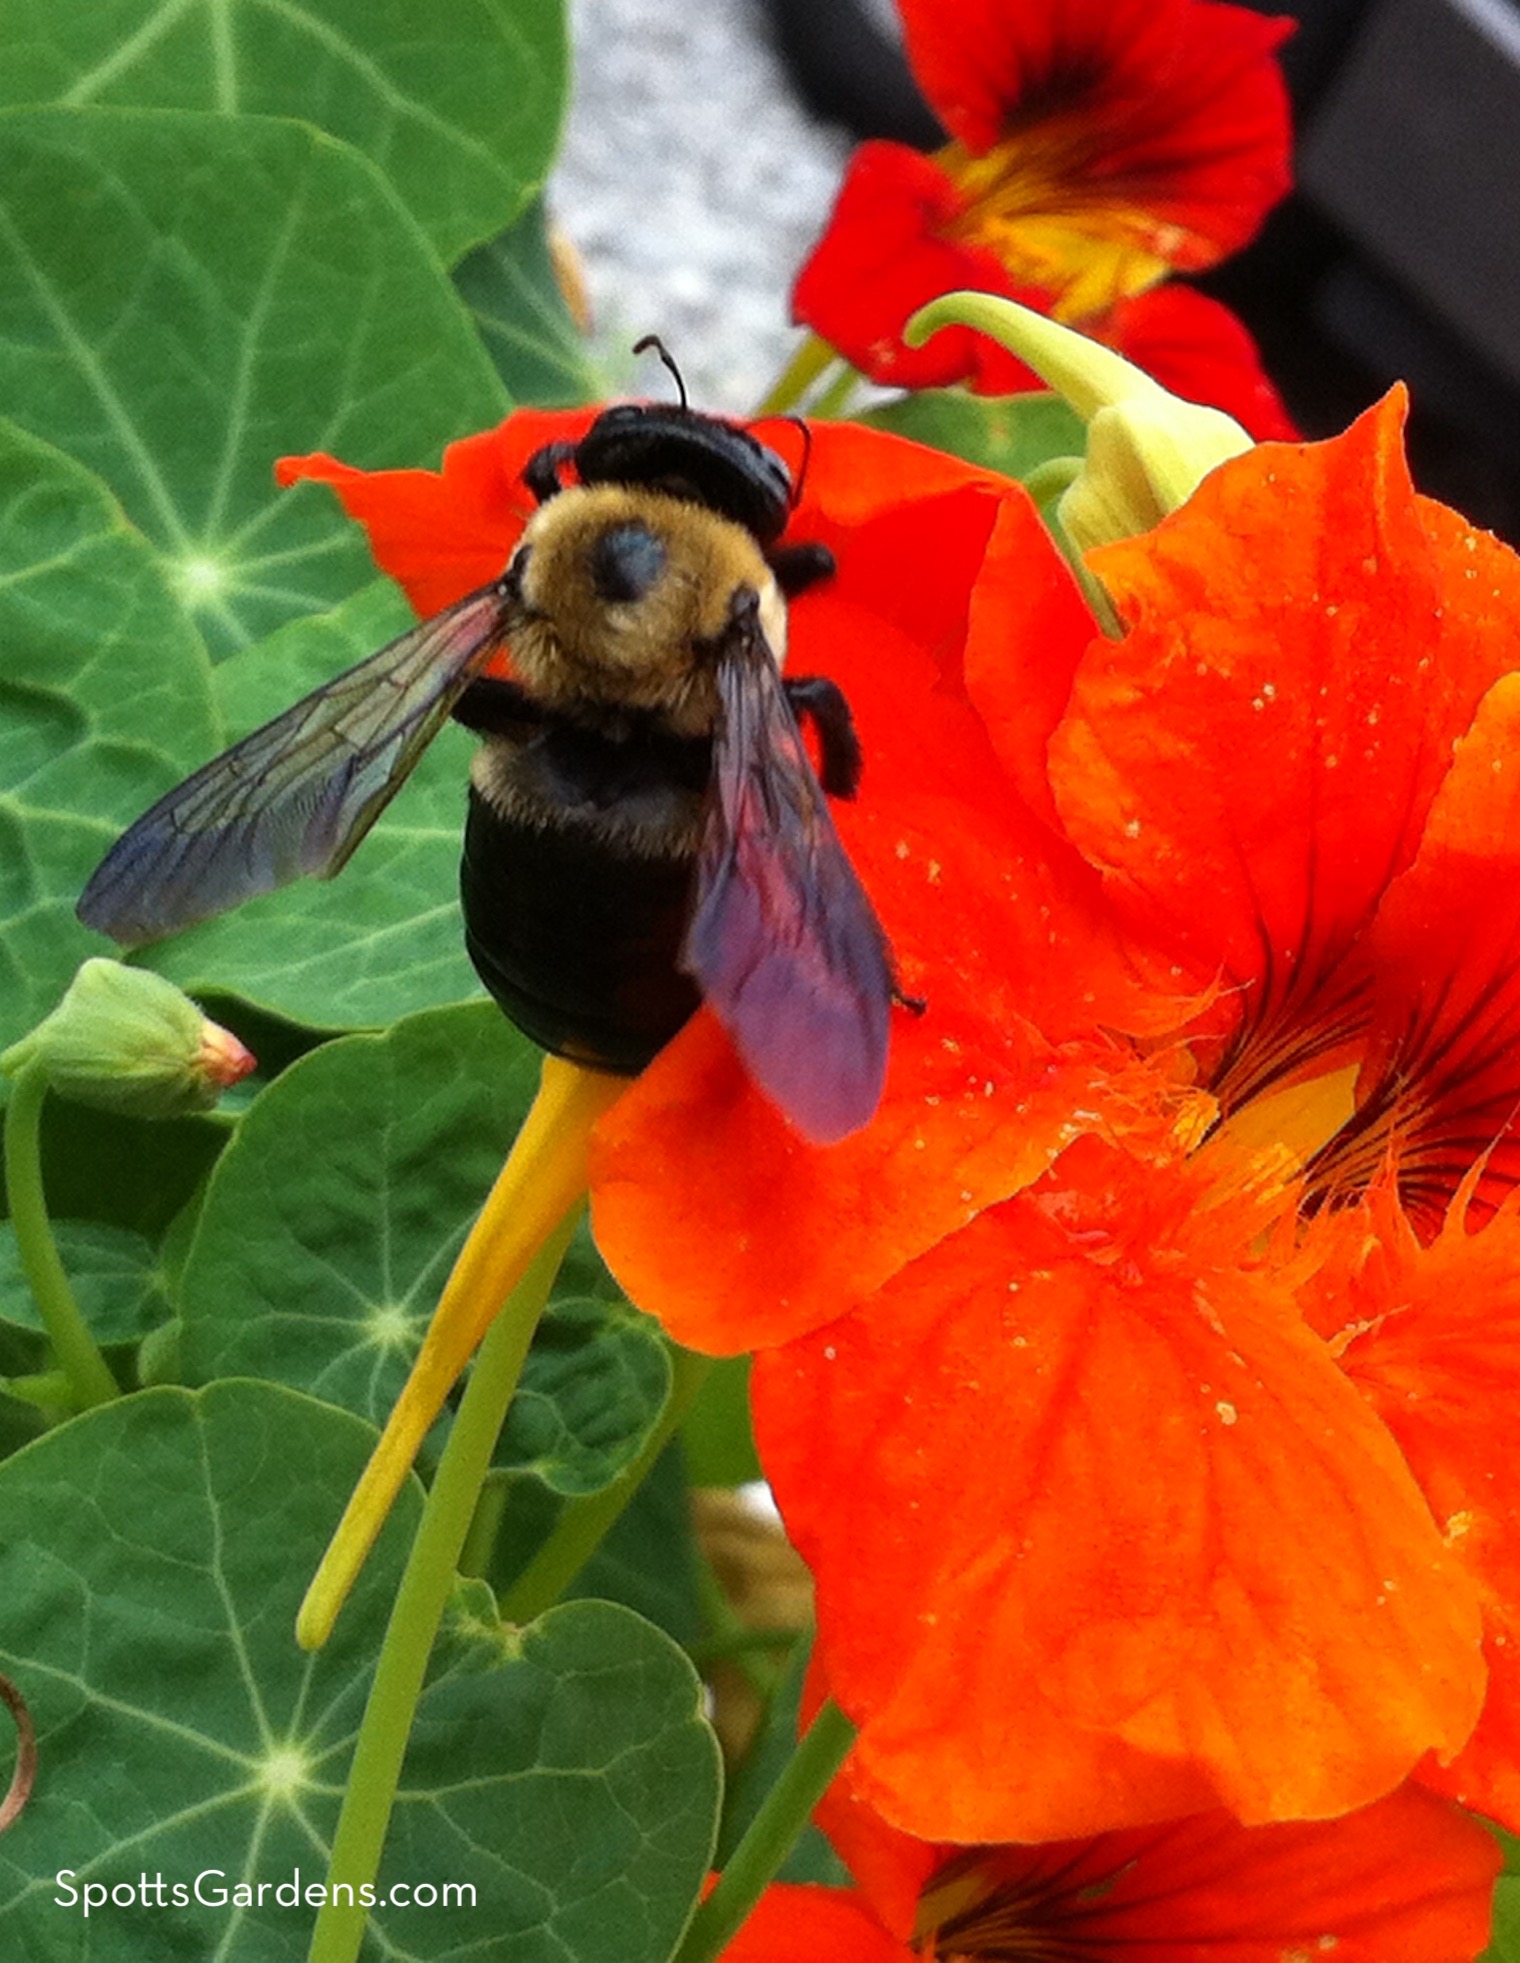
493,706
797,567
824,702
541,472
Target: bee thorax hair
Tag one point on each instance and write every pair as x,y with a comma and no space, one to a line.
641,795
626,597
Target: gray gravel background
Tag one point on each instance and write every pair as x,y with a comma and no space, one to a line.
693,185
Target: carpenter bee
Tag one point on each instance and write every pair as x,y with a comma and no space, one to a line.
645,827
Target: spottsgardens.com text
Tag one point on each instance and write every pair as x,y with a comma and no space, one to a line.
212,1888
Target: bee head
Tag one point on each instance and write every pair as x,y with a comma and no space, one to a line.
626,562
624,594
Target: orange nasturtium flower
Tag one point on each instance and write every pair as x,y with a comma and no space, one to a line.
1098,145
1137,1385
1407,1880
1137,1382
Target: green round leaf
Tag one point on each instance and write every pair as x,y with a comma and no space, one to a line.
1011,433
152,1554
333,1219
511,287
594,1385
186,297
383,938
137,1173
113,1272
105,700
582,1778
457,101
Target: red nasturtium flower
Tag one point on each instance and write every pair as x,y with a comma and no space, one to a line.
1098,145
1408,1880
1138,1391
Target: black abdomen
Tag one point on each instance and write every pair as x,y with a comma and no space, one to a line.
576,881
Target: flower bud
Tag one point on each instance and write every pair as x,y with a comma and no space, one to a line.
1147,449
125,1040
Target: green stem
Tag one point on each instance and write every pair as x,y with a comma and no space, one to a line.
90,1382
728,1629
485,1525
421,1600
583,1523
797,377
741,1644
771,1835
831,403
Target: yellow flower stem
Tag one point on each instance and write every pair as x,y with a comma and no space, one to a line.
543,1179
792,384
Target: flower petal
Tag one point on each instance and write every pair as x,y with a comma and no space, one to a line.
1406,1880
1176,107
1430,1335
1440,1083
1257,759
801,1923
990,917
1197,348
1101,1534
883,255
442,533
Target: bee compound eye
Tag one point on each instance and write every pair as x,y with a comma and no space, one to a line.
626,562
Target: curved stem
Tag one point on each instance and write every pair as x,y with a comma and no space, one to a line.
420,1601
583,1523
24,1773
543,1179
89,1381
771,1835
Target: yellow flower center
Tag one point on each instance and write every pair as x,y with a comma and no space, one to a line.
1031,201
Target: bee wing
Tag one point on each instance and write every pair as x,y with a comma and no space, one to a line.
783,940
297,795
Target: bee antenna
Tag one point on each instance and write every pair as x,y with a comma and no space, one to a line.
798,481
654,341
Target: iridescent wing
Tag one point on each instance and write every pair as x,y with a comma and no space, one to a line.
298,795
783,940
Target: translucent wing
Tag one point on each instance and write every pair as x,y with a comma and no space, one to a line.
296,796
783,941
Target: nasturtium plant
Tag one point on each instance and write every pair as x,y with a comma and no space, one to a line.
458,105
190,295
552,1770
